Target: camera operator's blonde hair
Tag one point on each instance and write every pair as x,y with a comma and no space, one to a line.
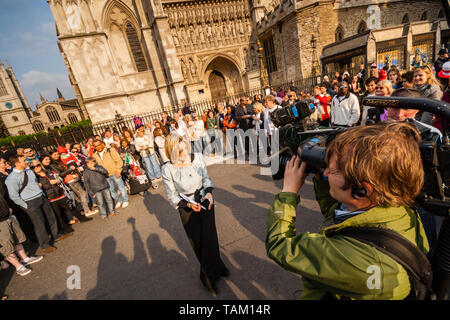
386,156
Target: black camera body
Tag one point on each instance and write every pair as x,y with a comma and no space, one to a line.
295,114
311,145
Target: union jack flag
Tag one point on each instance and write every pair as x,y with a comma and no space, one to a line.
137,122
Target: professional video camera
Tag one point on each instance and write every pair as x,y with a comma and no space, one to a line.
311,146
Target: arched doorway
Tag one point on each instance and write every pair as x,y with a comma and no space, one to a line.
223,78
217,85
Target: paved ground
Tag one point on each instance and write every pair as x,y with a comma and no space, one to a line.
143,253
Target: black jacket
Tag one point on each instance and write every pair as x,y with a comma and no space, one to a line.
52,191
4,207
244,124
95,180
61,169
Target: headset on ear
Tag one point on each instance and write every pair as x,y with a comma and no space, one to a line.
359,192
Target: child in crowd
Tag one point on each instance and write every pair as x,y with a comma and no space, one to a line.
97,186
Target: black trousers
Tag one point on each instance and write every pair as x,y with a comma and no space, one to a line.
201,230
40,212
63,214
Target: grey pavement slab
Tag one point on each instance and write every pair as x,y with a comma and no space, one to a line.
143,253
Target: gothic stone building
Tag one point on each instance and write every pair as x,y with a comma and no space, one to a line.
16,116
15,113
311,37
136,56
50,115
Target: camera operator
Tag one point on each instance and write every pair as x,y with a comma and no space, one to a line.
373,175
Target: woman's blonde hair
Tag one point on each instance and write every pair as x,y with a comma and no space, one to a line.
172,140
387,84
431,79
258,107
386,156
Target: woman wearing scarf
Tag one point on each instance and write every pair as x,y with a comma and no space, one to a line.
429,87
189,188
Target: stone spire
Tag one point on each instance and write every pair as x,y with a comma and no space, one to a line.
60,96
42,98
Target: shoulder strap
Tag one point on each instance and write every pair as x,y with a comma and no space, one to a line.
25,181
398,248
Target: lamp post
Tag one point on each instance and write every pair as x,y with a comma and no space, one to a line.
263,73
315,62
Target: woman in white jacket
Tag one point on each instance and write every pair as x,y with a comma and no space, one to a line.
199,134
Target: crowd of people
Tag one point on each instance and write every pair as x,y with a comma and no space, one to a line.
43,195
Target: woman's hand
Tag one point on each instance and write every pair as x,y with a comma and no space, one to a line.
209,196
196,207
53,181
294,175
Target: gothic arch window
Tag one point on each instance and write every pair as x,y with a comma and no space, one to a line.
424,16
136,49
441,14
125,38
15,119
362,27
3,91
52,114
22,133
339,34
72,118
38,126
405,19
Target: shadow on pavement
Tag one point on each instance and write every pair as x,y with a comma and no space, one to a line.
240,204
169,220
275,277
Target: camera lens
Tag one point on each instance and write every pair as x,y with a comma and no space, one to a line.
283,160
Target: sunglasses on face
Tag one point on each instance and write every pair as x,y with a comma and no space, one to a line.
34,167
342,87
74,151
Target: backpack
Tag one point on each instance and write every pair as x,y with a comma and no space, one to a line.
403,251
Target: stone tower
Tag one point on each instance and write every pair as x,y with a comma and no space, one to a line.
117,56
15,112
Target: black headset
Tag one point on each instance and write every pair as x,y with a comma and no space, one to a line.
360,192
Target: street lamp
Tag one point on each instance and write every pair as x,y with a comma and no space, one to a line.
263,72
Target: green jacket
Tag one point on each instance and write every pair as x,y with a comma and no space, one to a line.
341,265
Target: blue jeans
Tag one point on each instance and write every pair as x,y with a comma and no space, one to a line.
152,166
113,181
104,202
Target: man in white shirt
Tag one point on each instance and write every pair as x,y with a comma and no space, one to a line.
181,123
271,105
108,139
345,109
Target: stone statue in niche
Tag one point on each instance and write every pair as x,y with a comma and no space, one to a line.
218,32
201,34
184,70
192,36
176,42
209,34
192,68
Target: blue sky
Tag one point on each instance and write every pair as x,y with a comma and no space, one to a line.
28,41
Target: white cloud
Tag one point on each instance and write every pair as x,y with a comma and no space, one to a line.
35,82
